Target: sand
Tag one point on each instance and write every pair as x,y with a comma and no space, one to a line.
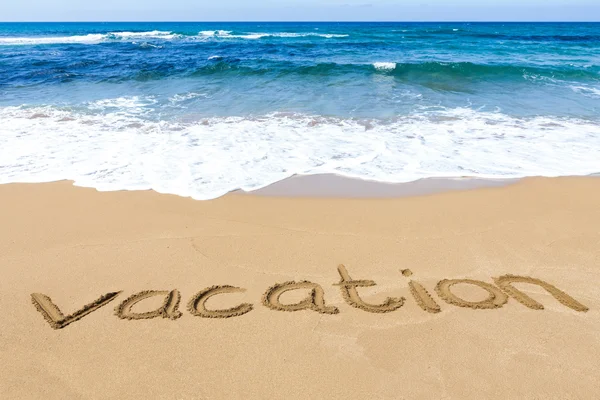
483,293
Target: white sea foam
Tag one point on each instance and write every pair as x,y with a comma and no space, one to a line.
587,91
129,105
92,38
323,35
214,57
214,33
83,39
332,35
157,35
293,34
178,98
259,35
146,45
251,36
151,34
384,65
114,149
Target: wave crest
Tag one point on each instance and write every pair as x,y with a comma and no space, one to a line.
97,38
386,66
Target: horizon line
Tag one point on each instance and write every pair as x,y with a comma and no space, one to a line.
306,21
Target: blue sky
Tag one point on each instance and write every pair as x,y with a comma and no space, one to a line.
296,10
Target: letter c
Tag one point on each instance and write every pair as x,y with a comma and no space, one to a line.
196,305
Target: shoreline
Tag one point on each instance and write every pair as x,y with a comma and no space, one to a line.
340,186
335,186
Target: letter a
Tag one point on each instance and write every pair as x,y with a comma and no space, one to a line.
314,301
167,310
55,317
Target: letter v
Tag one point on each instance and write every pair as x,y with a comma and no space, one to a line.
55,317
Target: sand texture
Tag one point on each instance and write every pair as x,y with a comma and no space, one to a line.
490,293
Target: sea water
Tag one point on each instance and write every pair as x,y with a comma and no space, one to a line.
200,109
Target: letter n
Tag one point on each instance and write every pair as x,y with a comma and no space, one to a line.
505,283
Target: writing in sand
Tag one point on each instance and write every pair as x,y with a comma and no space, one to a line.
497,296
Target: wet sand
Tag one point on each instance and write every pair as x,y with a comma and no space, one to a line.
338,186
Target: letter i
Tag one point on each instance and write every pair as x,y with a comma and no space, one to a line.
421,295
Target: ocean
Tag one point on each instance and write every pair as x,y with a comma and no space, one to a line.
200,109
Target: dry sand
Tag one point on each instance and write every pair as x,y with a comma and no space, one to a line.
366,340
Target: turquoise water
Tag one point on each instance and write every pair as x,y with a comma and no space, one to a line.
198,109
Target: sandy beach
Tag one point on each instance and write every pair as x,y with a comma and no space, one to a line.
242,263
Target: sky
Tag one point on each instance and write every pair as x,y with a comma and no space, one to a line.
297,10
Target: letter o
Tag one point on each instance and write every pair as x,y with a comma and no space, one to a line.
496,298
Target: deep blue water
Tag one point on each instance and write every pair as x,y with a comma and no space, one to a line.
243,104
